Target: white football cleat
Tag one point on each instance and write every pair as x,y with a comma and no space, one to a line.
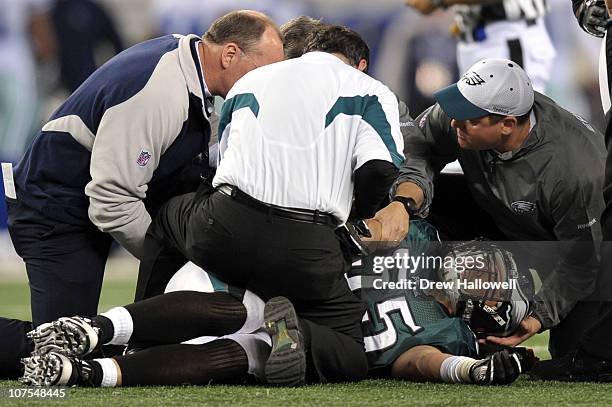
54,369
70,336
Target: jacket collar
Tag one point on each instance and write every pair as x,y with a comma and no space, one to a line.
189,61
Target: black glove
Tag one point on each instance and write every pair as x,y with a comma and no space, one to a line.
501,367
526,355
592,16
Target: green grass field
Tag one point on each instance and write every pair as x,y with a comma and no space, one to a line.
118,290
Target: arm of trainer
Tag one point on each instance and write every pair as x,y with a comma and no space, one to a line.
130,141
427,148
378,153
576,204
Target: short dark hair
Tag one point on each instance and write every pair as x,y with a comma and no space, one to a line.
341,40
496,118
297,33
243,27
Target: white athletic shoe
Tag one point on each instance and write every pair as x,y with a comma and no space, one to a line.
70,336
54,369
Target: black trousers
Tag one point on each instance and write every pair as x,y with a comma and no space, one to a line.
65,263
13,346
597,340
271,256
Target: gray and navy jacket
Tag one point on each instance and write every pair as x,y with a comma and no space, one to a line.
121,137
548,190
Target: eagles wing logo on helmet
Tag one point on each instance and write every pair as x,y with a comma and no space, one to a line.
473,79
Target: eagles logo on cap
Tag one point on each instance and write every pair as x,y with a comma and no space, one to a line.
473,79
492,85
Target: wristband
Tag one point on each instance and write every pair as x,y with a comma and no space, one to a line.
409,204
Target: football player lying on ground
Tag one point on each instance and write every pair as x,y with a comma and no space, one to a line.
296,33
409,334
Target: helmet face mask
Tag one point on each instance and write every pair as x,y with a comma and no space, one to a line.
485,319
486,308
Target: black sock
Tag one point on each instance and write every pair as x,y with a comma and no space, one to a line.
96,374
182,315
83,376
219,361
105,327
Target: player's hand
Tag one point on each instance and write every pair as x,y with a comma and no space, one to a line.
422,6
502,367
528,327
390,224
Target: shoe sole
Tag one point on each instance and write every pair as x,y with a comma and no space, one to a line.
51,369
66,336
286,365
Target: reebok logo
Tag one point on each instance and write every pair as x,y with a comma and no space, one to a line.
406,124
587,225
473,79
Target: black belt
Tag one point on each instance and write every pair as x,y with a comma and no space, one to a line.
300,215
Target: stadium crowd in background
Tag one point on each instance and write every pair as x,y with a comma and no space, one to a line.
25,36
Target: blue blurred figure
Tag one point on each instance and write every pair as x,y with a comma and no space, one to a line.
81,27
25,36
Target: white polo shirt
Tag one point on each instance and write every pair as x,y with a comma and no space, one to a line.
293,133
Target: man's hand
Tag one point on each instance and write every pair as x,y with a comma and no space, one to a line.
422,6
592,16
389,224
528,327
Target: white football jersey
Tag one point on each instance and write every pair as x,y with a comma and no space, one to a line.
293,133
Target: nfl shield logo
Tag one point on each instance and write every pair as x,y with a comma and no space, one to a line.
143,158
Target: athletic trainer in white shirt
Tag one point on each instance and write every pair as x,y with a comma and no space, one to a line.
298,140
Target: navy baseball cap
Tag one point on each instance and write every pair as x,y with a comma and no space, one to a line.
492,85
